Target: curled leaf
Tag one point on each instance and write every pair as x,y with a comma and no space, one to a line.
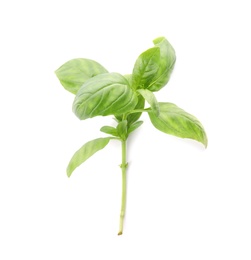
167,62
105,94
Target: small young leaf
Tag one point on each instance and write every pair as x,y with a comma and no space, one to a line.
109,130
167,61
145,68
103,95
175,121
74,73
85,152
151,100
134,126
122,129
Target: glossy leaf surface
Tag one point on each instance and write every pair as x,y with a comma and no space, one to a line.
175,121
74,73
105,94
145,68
167,62
85,152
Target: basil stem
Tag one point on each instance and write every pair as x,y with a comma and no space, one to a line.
123,195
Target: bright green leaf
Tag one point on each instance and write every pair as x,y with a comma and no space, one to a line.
109,130
105,94
134,116
122,129
145,68
134,126
167,62
129,78
74,73
151,100
85,152
175,121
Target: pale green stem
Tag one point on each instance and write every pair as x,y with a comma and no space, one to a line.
123,197
139,111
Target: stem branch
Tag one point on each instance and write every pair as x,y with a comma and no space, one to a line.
139,111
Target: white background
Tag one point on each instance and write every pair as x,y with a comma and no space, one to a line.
184,202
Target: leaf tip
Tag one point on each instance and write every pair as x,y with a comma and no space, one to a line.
204,140
68,172
206,143
56,72
158,39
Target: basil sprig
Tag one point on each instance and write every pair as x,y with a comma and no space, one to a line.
100,93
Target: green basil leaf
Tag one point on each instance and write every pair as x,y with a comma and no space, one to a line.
175,121
134,126
74,73
122,129
134,116
104,94
109,130
85,152
145,68
167,62
151,100
129,79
